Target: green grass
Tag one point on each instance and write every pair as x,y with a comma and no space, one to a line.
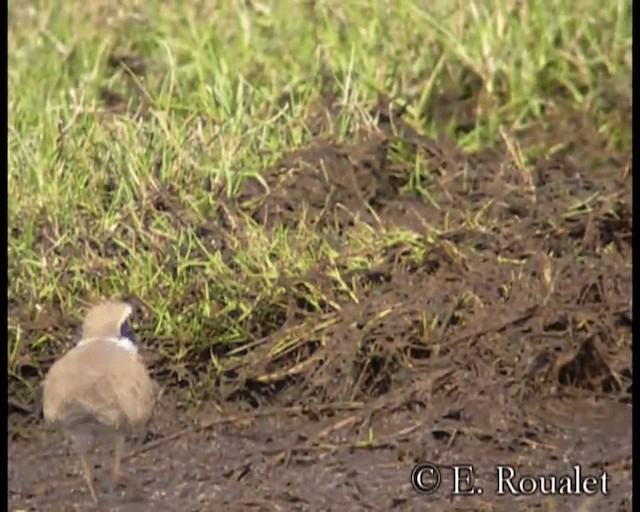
226,94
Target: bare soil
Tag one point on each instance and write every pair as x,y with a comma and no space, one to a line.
529,363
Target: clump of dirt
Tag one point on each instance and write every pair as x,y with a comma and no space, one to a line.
519,236
325,185
126,94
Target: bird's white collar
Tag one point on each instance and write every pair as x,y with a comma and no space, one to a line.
121,342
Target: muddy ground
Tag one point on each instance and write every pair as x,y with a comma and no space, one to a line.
526,361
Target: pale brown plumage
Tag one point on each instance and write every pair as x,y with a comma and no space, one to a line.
100,388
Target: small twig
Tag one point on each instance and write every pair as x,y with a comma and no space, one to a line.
19,407
452,438
159,442
498,327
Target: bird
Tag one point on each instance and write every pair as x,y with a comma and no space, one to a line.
100,390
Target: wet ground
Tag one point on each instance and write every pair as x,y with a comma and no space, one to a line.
508,342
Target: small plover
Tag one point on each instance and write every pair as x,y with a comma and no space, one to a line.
100,390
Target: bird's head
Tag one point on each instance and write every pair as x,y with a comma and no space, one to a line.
108,319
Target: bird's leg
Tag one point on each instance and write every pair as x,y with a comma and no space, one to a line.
117,458
117,476
87,470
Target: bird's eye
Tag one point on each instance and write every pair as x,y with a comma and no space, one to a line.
126,332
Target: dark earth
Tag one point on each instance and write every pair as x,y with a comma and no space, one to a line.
507,342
